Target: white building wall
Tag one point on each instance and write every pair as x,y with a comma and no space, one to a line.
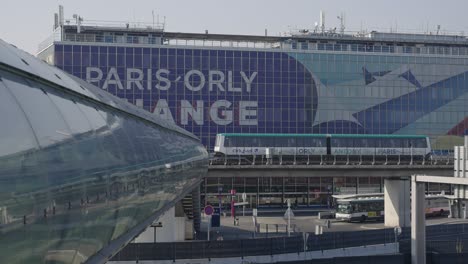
172,230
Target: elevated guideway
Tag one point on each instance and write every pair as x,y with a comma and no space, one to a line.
396,179
385,171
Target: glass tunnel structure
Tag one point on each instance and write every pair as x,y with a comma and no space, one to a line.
81,172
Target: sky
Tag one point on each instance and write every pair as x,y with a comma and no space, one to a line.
27,23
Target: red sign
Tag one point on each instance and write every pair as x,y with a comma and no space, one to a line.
209,210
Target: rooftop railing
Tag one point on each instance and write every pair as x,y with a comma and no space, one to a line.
290,46
410,42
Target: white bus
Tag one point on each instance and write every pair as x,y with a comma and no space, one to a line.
437,205
359,207
362,207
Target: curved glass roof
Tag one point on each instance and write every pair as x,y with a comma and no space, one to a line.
82,172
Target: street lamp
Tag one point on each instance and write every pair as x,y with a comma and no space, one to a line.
156,225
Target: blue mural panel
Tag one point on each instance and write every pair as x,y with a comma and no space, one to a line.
206,92
209,91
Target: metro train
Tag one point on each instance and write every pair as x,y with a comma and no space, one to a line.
307,146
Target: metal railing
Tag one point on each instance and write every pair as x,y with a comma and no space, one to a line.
210,249
440,238
287,45
351,160
295,244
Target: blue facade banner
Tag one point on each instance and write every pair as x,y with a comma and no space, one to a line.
209,91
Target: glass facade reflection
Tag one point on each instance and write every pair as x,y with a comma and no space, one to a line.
345,85
81,171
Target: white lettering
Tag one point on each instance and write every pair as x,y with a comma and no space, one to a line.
162,110
112,78
189,85
248,81
162,79
248,117
226,115
136,80
231,88
149,77
89,71
194,80
186,110
139,103
218,82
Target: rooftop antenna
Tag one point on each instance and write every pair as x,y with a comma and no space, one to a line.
438,29
152,13
316,24
322,21
56,21
61,15
342,23
78,22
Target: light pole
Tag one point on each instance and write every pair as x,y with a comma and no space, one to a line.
156,225
397,231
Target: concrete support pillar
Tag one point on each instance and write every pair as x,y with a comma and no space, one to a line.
418,223
397,202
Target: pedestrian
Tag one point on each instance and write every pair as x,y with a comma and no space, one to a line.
219,237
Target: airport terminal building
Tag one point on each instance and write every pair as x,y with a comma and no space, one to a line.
307,82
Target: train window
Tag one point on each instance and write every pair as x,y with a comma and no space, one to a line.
291,142
420,143
318,142
232,141
377,142
299,141
398,143
280,142
321,142
314,142
236,141
270,141
249,142
227,142
334,142
388,143
343,142
253,142
261,142
338,142
406,143
361,143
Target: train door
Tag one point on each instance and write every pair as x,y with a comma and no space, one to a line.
328,145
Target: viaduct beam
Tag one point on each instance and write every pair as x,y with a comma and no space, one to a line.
385,171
